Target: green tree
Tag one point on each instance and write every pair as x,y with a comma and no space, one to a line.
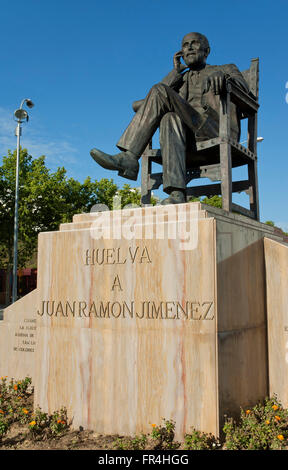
270,222
215,201
81,197
129,195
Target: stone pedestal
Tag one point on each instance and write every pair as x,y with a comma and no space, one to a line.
18,338
276,260
151,313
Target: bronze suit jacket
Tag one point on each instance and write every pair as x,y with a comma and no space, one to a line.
209,102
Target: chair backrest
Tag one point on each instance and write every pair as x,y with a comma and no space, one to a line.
251,76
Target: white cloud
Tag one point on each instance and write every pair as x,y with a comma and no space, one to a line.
58,152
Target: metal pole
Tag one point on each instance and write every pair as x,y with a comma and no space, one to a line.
15,249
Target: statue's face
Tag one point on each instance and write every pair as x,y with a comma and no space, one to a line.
194,50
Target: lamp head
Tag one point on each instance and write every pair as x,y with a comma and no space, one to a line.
21,115
29,103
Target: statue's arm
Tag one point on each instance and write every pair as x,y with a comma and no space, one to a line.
219,75
234,74
174,79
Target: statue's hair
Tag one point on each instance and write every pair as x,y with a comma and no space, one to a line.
202,38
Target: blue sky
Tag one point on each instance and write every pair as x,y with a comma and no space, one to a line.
83,63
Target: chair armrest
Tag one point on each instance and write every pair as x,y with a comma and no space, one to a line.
243,100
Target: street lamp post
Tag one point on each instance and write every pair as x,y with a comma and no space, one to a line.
20,116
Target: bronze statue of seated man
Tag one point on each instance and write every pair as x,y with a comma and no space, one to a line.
185,107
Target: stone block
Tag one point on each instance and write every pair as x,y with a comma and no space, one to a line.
148,313
18,338
276,263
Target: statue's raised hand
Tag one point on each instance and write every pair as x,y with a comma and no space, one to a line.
215,81
177,62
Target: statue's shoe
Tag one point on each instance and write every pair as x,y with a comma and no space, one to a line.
176,197
126,163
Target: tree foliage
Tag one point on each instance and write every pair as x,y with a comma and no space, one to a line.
215,201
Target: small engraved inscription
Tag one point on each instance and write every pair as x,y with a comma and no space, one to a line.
25,337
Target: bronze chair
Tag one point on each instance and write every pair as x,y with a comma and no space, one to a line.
216,157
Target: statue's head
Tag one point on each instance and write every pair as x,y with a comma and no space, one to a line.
195,48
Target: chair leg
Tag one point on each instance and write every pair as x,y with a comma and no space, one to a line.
253,194
252,166
225,152
145,178
226,176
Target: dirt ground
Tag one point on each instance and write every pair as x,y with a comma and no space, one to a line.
18,439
